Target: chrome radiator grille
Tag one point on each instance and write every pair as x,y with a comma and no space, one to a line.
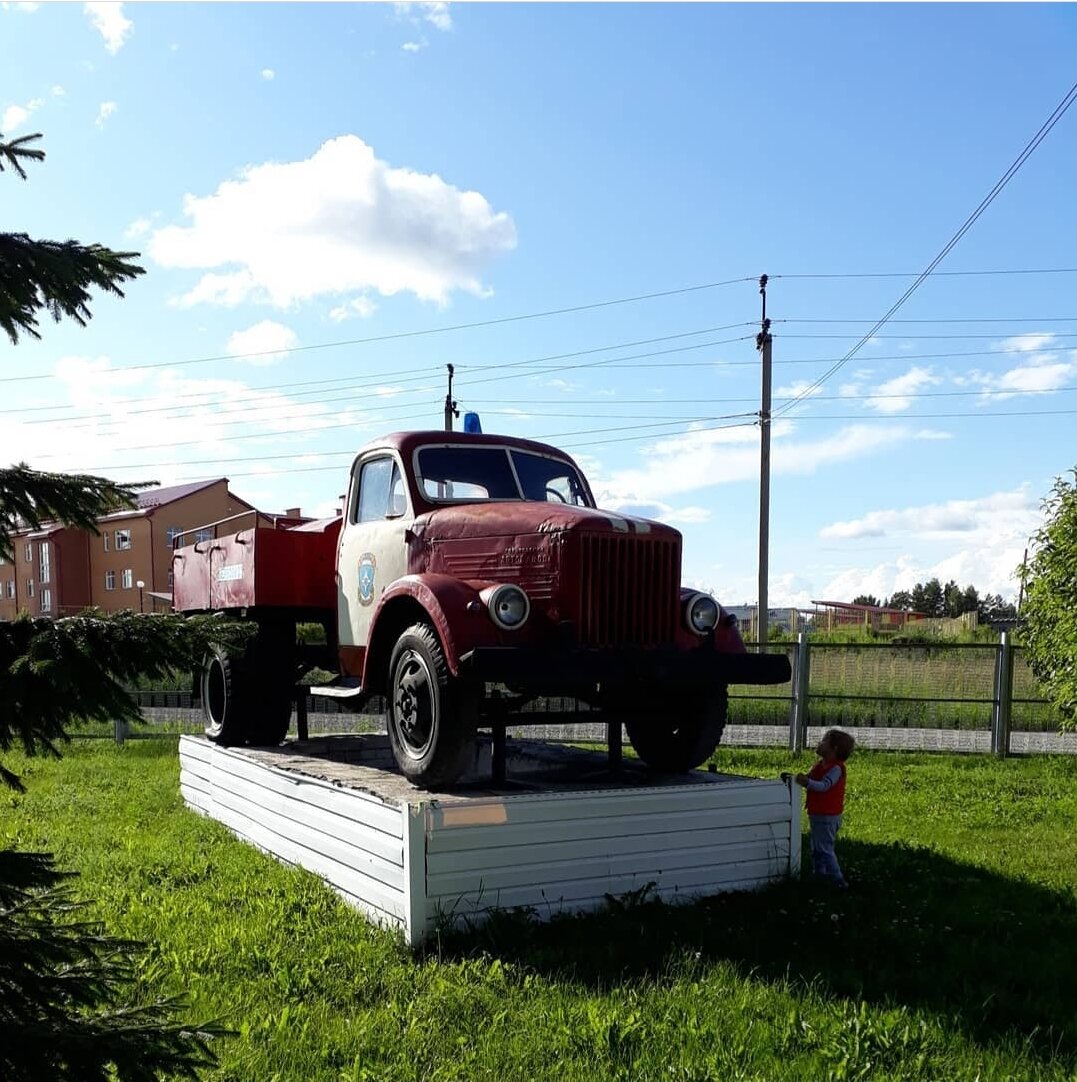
628,589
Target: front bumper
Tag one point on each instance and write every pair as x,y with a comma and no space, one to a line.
558,669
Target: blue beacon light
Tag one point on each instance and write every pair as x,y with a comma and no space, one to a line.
472,423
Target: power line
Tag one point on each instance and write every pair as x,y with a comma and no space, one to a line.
1034,142
636,427
937,274
915,337
947,319
419,333
258,392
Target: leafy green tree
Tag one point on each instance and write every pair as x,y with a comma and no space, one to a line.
900,599
928,598
971,600
866,599
1050,606
61,979
994,607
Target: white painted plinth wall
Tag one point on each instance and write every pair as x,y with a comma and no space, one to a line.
408,863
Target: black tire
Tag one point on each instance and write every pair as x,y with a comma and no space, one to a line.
431,716
681,735
226,698
271,657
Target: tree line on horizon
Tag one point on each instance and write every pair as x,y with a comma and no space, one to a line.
937,600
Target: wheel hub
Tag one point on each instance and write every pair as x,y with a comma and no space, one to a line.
413,703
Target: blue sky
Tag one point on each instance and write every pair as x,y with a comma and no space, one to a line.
300,177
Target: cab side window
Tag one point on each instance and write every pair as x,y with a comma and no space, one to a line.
381,491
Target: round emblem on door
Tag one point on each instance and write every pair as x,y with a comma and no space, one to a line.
367,568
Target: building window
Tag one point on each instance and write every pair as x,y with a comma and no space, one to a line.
11,590
205,534
171,580
29,587
46,601
110,580
29,553
44,561
128,579
104,539
123,540
171,534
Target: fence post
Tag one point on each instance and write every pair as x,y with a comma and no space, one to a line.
119,730
798,710
1002,713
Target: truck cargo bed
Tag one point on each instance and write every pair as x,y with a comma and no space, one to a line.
263,566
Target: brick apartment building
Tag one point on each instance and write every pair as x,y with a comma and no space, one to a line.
59,571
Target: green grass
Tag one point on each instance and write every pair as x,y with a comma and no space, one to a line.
952,958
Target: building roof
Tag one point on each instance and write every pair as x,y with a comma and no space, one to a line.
848,606
156,497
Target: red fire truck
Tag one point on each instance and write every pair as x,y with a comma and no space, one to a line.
470,576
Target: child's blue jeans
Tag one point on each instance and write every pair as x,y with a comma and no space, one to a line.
824,829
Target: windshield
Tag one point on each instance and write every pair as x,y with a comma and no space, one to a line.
497,473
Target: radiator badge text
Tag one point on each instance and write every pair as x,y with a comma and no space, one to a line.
230,573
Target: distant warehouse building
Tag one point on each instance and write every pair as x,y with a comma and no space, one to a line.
59,571
835,615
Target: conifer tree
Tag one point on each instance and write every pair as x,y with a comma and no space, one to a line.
54,276
63,979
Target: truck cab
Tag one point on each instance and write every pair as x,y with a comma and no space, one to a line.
473,578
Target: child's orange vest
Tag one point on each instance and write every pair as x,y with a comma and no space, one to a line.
832,802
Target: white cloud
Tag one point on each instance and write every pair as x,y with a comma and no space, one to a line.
25,6
659,511
260,344
1043,370
138,228
363,307
1025,343
59,92
797,388
437,14
414,46
268,74
1000,516
702,459
105,110
896,394
111,23
173,420
339,222
14,116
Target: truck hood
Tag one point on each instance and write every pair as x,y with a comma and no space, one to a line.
515,517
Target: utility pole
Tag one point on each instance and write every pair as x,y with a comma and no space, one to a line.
763,344
450,406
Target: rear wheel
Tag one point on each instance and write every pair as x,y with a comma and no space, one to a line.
226,698
431,715
247,696
681,735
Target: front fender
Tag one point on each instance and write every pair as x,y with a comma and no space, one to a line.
445,602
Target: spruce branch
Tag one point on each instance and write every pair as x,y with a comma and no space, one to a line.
15,151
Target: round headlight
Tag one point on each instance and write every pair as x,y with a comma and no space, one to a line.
701,613
509,606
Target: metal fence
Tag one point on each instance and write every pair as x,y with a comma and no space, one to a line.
938,696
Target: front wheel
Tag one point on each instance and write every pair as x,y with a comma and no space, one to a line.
683,733
431,715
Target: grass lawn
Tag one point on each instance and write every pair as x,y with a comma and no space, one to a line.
954,956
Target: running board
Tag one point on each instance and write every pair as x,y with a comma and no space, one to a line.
347,688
